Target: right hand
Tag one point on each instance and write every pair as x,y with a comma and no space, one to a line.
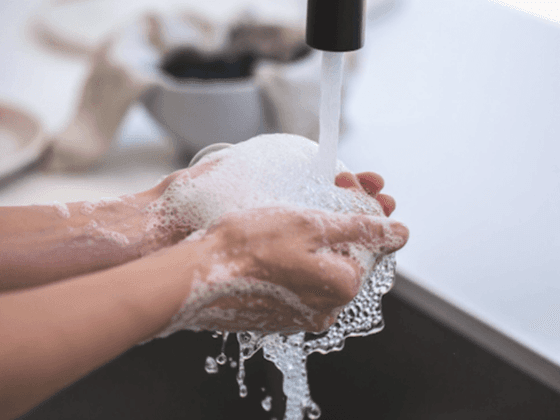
277,248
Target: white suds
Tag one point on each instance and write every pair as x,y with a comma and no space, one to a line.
61,209
267,403
112,236
98,232
277,170
196,315
89,207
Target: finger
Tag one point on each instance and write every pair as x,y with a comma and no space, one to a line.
377,233
341,278
371,182
324,279
347,180
387,202
396,239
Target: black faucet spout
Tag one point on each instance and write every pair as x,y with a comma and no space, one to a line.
335,25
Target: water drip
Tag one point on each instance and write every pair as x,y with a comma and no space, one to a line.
211,366
267,403
361,317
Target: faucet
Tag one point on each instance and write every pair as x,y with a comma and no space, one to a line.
335,25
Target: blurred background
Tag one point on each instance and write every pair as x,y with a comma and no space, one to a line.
456,104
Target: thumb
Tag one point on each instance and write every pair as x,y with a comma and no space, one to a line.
379,234
396,236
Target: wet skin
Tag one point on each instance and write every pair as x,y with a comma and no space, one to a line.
281,249
54,332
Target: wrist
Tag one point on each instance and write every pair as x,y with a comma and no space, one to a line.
165,282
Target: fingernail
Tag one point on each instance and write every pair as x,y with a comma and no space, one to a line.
345,180
372,182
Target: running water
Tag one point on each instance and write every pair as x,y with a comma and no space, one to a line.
329,118
361,317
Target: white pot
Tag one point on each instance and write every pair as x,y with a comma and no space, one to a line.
200,113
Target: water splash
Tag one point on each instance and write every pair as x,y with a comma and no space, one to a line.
361,317
211,366
267,403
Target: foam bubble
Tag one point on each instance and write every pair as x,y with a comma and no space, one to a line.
61,209
266,171
197,313
112,236
89,207
98,232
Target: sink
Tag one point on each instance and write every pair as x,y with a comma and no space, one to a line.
430,362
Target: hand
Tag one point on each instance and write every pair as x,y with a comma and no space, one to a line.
265,270
162,236
366,182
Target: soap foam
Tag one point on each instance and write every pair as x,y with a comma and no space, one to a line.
196,314
281,171
61,209
277,170
98,232
89,207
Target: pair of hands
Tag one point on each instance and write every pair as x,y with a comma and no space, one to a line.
116,299
293,286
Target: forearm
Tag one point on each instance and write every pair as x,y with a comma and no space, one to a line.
53,335
41,244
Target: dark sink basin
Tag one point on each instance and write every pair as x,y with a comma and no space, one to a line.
417,368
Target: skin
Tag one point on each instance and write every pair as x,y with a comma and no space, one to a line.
92,299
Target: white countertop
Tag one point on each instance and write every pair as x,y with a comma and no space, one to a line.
456,104
459,108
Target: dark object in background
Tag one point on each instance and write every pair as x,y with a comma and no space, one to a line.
416,368
190,64
247,45
336,25
269,42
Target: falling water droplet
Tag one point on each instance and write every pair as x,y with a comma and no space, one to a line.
211,366
313,412
267,403
221,359
243,391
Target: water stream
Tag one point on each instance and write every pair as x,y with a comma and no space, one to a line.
329,117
